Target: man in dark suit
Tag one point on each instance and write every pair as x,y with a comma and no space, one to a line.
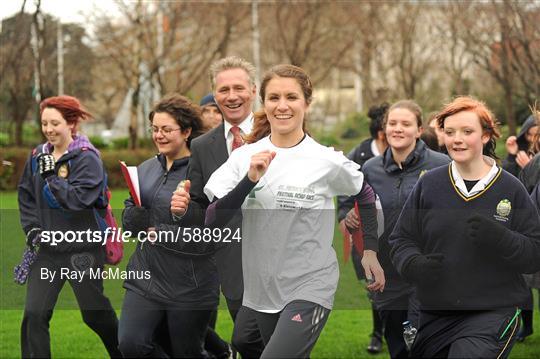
234,90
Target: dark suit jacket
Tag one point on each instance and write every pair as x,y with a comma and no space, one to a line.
208,153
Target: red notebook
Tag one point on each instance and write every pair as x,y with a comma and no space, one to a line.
131,177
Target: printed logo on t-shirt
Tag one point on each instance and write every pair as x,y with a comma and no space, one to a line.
292,197
297,318
503,210
254,191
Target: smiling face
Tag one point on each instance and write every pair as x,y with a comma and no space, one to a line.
402,130
168,137
234,94
285,107
464,137
55,128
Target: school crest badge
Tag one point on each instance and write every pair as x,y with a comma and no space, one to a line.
503,210
63,171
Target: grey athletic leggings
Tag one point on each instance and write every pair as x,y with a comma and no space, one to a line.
293,332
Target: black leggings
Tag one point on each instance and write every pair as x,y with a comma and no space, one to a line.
141,317
402,309
293,332
42,294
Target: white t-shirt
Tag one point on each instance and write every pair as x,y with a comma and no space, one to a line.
288,221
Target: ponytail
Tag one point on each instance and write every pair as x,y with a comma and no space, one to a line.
261,127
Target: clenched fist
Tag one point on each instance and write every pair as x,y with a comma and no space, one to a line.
512,145
45,163
180,199
259,164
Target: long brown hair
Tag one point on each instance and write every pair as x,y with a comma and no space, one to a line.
261,125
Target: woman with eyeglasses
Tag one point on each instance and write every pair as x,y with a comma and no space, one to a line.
171,281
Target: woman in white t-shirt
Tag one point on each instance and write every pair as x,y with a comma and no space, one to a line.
284,182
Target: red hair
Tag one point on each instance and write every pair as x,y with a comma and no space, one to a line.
488,122
69,107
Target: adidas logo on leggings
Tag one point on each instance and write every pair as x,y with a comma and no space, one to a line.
297,318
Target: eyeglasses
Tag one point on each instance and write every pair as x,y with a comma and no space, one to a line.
165,131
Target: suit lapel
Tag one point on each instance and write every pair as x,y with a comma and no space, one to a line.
218,146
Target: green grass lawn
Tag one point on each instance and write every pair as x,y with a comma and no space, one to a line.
345,336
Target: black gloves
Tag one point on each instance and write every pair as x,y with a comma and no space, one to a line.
45,163
32,237
424,269
484,232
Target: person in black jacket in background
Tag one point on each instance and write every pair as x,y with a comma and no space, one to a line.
373,146
376,144
518,147
530,177
392,176
466,234
173,281
62,189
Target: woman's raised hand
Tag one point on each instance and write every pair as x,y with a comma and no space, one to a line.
259,164
180,199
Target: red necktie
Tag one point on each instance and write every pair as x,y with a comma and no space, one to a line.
237,138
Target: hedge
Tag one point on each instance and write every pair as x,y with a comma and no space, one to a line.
17,156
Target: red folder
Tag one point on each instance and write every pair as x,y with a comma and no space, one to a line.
357,237
132,180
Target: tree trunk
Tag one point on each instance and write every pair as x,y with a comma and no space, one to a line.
134,125
509,108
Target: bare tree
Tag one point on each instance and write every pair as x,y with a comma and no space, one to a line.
457,60
524,22
364,22
206,31
412,52
16,71
177,55
19,65
306,34
487,34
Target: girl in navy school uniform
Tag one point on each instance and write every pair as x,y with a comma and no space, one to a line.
464,237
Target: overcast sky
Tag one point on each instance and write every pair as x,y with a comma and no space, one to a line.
66,10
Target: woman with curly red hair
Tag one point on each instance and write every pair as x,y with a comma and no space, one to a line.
62,190
466,233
